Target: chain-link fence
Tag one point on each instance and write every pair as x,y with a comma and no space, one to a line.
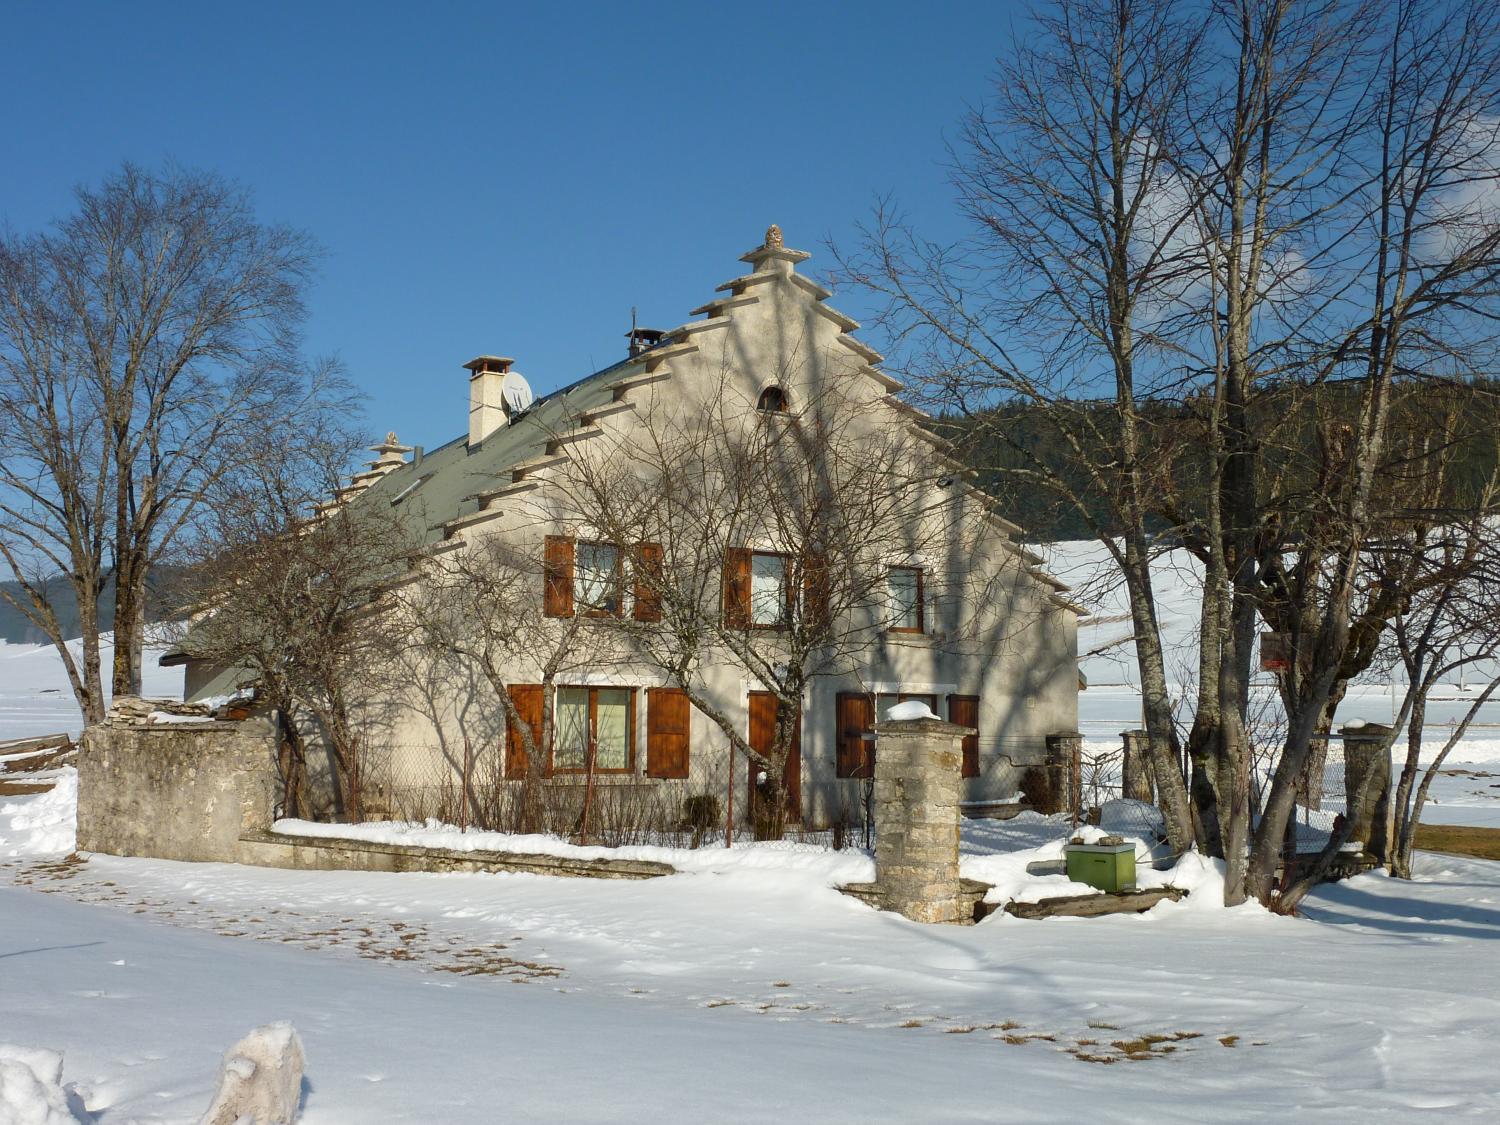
1323,797
1323,792
470,790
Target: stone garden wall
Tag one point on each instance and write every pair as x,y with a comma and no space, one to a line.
174,790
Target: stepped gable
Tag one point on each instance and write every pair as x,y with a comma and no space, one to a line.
464,483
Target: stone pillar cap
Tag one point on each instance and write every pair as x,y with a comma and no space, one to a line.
921,726
1361,728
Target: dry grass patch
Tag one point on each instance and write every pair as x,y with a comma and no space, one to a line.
1481,843
1142,1048
10,788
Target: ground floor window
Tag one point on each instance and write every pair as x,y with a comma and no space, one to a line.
600,720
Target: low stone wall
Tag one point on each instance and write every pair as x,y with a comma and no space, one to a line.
325,853
174,790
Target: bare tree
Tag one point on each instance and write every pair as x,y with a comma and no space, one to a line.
144,342
481,608
301,604
1450,625
1193,221
1051,305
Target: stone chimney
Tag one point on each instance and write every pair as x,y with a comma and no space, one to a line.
486,403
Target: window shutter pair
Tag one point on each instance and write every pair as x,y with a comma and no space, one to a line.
737,562
668,730
855,717
557,568
964,710
528,701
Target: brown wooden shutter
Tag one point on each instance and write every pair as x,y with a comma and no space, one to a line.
855,713
557,566
964,710
528,701
737,588
648,573
668,729
815,589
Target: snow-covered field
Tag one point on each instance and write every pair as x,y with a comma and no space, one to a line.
35,697
744,991
745,988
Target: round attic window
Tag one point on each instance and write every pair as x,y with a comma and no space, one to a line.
772,401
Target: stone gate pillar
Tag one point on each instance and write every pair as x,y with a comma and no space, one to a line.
1366,754
1065,772
918,766
1135,767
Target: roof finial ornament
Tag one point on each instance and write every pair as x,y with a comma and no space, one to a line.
390,438
773,237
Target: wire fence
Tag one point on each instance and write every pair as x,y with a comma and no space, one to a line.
419,782
471,790
1323,791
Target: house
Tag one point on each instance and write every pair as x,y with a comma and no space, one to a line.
748,485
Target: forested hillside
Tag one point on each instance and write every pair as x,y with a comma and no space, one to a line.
1448,443
16,629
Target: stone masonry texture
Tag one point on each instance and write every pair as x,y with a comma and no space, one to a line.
918,786
174,791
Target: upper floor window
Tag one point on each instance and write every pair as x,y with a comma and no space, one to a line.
598,579
770,595
760,588
904,598
601,579
772,401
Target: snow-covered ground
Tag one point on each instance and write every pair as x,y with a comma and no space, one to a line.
746,991
745,988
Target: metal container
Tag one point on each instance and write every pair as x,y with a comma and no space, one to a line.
1108,865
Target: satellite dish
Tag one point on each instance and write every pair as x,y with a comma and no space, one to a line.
515,392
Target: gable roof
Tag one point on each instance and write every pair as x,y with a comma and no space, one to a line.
449,486
460,484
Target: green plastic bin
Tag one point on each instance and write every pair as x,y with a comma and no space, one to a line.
1108,865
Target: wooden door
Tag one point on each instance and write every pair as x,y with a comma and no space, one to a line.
964,710
762,734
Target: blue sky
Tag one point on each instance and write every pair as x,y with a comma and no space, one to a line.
505,179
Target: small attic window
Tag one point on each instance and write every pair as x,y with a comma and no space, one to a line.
772,401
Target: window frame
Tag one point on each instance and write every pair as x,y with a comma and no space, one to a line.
553,769
581,606
921,600
788,591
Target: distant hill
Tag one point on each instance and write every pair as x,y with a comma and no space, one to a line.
1469,413
16,629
